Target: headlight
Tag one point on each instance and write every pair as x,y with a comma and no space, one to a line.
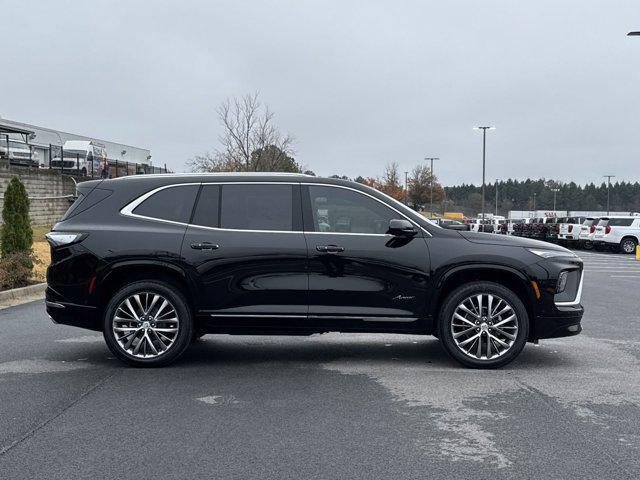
562,281
60,239
551,253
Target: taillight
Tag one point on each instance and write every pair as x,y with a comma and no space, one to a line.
592,229
570,229
607,229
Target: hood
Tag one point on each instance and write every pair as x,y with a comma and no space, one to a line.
509,241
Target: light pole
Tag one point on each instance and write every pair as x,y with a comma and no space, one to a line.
534,202
555,191
484,149
406,186
496,197
608,177
431,197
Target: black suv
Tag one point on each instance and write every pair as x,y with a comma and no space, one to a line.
155,261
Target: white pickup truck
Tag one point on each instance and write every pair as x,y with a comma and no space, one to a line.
621,233
83,156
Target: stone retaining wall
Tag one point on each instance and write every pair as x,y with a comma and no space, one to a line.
49,192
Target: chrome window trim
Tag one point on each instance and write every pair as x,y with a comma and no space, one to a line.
128,209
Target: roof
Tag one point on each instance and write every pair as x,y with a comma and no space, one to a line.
6,128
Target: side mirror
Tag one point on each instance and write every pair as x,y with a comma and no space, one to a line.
401,228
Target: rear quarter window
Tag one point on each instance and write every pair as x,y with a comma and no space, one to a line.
620,222
173,203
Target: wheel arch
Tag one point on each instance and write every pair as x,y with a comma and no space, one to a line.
503,275
129,271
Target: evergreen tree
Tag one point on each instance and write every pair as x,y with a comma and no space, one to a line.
17,235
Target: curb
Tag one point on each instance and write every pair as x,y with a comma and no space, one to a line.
18,293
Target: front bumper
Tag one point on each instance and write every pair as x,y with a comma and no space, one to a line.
557,314
565,324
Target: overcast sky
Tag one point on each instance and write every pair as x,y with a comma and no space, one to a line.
358,83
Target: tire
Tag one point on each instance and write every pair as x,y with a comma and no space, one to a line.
492,354
628,245
139,342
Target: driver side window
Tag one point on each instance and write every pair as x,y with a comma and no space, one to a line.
339,210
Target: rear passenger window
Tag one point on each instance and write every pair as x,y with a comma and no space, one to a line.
257,207
620,222
207,211
172,203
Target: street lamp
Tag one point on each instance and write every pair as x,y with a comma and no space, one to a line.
431,197
534,202
608,177
484,149
496,197
406,186
555,191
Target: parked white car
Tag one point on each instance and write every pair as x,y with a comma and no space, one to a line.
618,233
478,225
569,229
587,230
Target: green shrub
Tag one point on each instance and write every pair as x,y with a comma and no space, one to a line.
16,269
17,235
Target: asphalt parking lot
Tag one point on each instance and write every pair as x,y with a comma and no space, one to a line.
328,406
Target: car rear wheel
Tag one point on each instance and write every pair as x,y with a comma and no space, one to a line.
483,325
628,245
148,324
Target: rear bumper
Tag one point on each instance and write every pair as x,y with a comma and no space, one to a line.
63,312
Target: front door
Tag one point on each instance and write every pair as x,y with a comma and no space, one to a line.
247,252
357,271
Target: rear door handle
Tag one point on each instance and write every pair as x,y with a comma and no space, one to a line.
205,246
329,248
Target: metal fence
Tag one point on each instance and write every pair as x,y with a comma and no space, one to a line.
80,164
89,166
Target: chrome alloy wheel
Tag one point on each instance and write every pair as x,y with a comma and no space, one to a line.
145,325
628,246
484,326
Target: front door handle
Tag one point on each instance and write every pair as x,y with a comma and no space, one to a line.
329,248
205,246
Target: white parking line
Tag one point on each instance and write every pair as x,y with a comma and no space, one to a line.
624,276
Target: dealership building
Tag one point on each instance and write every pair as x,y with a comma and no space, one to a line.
43,144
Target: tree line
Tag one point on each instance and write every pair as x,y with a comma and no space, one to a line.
538,194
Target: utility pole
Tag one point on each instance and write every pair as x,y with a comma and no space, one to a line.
555,191
431,197
534,202
484,149
406,187
608,177
496,197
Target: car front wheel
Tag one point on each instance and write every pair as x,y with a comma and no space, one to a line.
148,324
483,325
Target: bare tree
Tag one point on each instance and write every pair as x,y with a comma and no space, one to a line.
248,136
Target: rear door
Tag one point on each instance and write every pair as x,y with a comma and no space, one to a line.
247,252
358,272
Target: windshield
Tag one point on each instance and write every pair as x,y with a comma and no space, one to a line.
75,154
